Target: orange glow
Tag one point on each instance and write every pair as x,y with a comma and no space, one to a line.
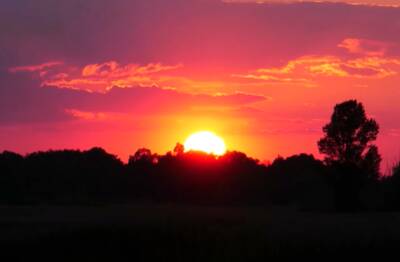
207,142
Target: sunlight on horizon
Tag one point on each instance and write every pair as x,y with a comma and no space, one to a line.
205,141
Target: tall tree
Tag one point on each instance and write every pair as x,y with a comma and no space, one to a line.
349,138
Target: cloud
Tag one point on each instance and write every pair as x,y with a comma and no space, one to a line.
154,100
35,32
114,70
35,68
99,77
371,63
105,92
25,102
305,70
382,3
364,46
275,79
85,115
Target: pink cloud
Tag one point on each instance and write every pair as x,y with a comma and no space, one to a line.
383,3
100,77
371,63
364,46
112,69
35,68
86,115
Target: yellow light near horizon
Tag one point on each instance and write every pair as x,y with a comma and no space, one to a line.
206,142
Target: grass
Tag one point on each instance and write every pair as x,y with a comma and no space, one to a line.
179,233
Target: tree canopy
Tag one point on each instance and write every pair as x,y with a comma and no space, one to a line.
349,138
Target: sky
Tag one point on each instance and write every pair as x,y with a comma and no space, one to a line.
125,74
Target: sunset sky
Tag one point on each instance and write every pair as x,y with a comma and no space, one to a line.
263,75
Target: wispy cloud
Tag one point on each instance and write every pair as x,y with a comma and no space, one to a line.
86,115
99,77
114,70
365,46
370,63
382,3
35,68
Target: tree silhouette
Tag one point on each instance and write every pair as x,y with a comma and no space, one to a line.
349,136
143,155
179,149
352,159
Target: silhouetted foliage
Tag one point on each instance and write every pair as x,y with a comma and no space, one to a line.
371,163
300,180
348,138
353,160
348,179
392,188
61,176
179,149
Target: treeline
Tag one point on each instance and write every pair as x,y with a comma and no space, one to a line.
96,177
347,180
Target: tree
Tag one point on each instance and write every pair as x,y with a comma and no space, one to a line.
352,158
142,155
179,149
349,136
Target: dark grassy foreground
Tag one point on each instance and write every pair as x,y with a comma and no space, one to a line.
170,233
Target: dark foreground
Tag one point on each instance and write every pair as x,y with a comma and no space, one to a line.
170,233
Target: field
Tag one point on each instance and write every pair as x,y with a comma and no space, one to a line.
179,233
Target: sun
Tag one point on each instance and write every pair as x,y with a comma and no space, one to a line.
206,142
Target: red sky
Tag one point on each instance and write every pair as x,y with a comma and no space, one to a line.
147,73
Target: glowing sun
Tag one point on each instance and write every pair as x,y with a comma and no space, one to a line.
206,142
